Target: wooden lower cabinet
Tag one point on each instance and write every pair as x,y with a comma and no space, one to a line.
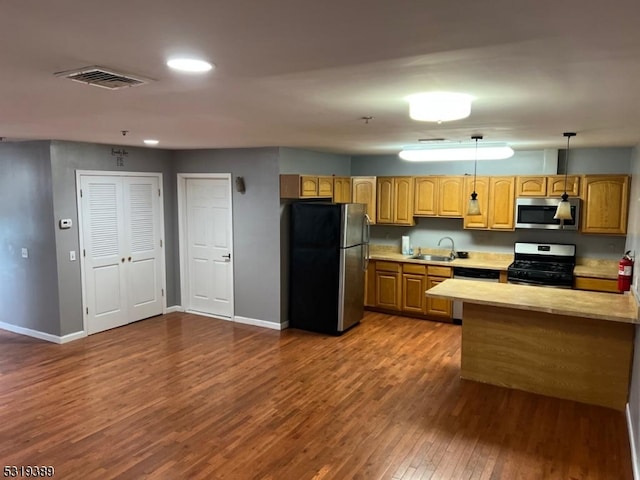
596,284
401,287
370,285
388,285
414,284
438,307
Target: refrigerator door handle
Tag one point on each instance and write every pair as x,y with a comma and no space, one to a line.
366,236
367,228
365,255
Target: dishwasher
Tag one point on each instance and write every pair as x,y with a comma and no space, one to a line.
467,273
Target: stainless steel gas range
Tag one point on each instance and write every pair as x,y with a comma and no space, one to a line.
543,264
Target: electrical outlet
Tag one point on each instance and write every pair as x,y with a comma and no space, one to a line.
25,253
72,256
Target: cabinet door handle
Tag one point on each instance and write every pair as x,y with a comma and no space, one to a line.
129,258
122,259
227,256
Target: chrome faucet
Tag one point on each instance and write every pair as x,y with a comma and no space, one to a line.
452,255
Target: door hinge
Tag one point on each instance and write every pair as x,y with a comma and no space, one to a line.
161,242
158,192
163,292
80,193
84,252
87,310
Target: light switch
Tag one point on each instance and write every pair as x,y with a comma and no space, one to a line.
25,253
72,256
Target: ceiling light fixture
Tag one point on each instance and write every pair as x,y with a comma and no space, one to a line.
456,151
151,142
473,208
563,212
439,106
189,65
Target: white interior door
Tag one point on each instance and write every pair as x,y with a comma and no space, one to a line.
144,250
104,253
208,239
122,249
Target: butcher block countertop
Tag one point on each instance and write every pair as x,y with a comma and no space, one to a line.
576,303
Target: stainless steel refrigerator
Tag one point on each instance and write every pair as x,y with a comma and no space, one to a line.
329,250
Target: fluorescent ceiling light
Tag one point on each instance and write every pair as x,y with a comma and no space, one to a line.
439,106
151,142
191,65
444,153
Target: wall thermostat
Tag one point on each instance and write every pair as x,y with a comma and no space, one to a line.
65,223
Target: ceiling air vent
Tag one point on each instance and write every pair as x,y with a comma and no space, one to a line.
103,78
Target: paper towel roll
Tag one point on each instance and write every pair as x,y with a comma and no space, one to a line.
406,246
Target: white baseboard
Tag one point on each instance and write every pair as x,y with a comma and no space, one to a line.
632,444
174,308
260,323
42,335
72,336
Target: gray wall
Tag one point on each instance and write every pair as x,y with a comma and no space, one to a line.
66,158
256,224
28,287
522,163
596,160
633,243
296,160
428,231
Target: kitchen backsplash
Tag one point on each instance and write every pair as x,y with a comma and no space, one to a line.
428,231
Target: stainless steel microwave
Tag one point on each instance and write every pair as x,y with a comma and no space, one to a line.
539,212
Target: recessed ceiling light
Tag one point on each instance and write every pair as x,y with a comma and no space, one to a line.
151,142
191,65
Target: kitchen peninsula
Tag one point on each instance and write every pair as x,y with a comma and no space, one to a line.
563,343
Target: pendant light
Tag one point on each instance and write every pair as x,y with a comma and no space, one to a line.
473,208
563,212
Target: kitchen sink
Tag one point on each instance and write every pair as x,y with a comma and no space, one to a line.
434,258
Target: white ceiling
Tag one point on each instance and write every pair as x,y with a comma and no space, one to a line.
301,73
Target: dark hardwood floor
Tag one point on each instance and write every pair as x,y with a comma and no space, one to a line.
182,396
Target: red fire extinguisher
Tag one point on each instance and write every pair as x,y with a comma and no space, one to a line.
625,272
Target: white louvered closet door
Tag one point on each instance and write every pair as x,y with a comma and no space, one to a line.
121,242
142,233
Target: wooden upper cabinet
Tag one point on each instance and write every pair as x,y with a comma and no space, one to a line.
384,200
394,202
482,189
451,201
342,189
325,187
605,206
439,196
555,185
501,203
425,196
308,186
547,186
363,190
403,200
305,186
531,186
